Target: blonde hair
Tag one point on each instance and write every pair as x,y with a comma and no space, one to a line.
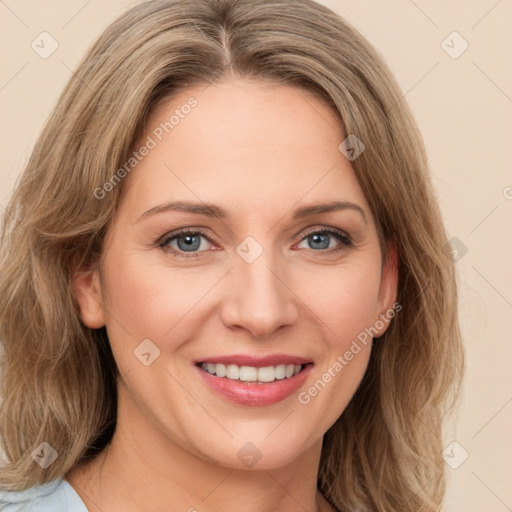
58,378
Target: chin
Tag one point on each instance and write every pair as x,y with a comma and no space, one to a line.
258,452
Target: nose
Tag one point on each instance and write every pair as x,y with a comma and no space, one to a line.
259,298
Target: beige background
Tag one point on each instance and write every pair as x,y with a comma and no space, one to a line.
463,106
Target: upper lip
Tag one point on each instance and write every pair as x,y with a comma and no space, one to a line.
255,361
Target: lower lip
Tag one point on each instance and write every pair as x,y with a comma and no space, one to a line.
253,393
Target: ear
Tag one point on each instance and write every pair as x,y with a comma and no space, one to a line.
388,289
87,292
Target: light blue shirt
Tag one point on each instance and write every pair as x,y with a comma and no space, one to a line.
55,496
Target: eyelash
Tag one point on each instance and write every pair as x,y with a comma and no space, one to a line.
338,234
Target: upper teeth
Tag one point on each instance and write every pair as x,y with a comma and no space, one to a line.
251,373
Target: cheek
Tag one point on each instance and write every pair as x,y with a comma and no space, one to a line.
142,303
344,301
347,308
149,300
135,295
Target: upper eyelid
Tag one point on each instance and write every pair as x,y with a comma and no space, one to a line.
310,231
185,231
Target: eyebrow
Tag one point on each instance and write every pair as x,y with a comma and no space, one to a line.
212,210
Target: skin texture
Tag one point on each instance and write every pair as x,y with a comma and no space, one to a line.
258,150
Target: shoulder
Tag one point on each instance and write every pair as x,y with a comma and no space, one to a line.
55,496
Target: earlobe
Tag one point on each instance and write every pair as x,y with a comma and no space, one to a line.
87,292
388,290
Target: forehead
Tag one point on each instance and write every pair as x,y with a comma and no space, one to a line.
250,143
250,115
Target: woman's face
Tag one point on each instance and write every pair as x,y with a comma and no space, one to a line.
255,284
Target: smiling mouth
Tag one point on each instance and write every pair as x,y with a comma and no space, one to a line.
258,375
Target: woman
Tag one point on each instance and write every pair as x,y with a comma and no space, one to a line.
224,278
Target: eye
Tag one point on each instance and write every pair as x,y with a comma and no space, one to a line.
321,239
187,241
